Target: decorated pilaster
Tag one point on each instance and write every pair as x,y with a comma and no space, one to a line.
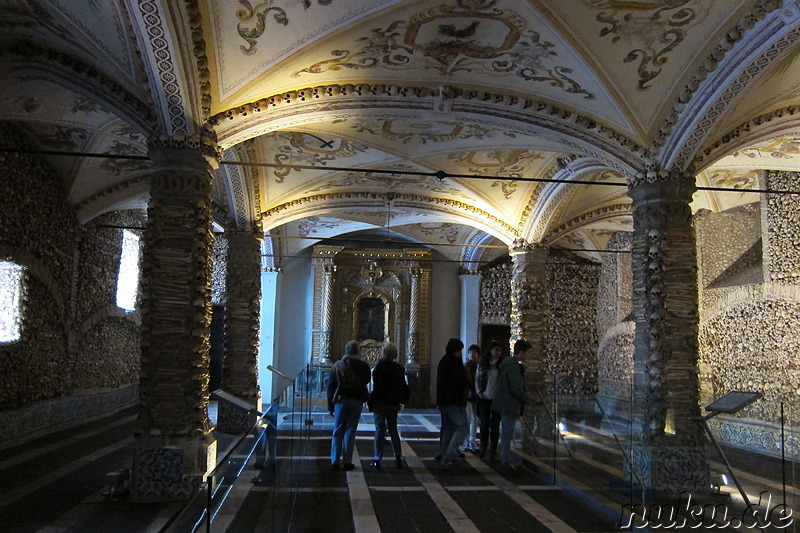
780,222
174,447
240,368
326,326
413,316
668,450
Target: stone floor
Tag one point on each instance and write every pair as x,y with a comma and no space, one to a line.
58,483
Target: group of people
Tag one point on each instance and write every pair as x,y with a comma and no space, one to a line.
347,393
488,390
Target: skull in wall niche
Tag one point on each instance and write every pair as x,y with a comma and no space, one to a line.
654,267
193,142
656,291
654,235
654,253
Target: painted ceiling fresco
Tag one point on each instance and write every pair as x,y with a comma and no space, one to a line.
454,124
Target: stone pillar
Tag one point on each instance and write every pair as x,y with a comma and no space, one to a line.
470,308
240,367
528,318
528,321
780,227
668,450
174,447
413,317
326,326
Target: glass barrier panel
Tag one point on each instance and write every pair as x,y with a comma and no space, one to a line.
753,454
193,517
263,456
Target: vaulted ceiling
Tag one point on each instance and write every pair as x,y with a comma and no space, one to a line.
437,122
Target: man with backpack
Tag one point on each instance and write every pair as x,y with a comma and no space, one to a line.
347,392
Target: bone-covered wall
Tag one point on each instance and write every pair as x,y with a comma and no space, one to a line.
748,338
74,342
219,267
615,325
572,317
108,351
571,331
495,294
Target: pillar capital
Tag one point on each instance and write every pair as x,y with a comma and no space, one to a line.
203,143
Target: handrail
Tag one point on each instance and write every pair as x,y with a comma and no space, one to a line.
208,483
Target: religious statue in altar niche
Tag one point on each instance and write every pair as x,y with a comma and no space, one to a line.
371,319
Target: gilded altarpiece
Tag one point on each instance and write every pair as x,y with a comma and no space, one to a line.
372,296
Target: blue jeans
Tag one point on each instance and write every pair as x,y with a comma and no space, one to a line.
346,415
454,429
385,418
508,422
267,439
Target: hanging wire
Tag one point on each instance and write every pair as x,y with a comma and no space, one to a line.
439,174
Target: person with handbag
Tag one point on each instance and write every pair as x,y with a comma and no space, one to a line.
389,391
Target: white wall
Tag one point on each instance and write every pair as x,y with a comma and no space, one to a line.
293,322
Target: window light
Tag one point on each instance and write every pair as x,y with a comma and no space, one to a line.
12,279
128,276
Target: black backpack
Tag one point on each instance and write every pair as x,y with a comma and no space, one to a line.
349,387
401,392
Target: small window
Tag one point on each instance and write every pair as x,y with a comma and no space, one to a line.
12,284
128,276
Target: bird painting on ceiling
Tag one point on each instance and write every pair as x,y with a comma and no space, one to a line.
449,30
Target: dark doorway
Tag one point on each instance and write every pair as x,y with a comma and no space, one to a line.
491,332
217,350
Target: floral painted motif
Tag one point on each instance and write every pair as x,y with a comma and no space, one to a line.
310,149
310,225
120,166
259,13
780,148
499,163
733,179
423,132
390,183
452,39
86,106
654,28
63,137
444,231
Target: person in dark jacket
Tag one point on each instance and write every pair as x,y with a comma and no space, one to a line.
452,385
345,402
510,397
389,391
471,442
485,385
